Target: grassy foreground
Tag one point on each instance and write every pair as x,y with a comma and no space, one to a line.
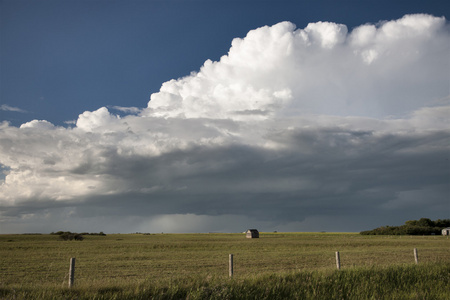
399,282
195,266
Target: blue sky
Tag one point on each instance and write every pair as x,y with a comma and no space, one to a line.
198,116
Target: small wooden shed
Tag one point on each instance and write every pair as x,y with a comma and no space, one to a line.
252,234
446,231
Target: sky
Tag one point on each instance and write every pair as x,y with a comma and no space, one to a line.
219,116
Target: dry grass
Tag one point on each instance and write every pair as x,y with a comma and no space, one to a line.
39,263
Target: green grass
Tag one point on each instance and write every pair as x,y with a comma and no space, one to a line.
177,266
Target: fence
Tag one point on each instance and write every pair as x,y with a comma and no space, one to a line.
230,265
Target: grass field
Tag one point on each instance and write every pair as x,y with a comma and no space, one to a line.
195,266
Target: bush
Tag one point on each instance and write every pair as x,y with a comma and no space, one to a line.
68,236
423,226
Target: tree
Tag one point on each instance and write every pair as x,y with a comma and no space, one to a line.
425,222
423,226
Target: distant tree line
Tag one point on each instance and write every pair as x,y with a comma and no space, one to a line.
424,226
69,236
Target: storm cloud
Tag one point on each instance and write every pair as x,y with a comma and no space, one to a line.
319,128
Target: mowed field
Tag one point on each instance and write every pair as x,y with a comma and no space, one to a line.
119,262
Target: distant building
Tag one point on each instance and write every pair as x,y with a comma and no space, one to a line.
252,234
446,231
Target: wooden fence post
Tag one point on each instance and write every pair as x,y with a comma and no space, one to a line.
230,268
338,260
416,256
72,272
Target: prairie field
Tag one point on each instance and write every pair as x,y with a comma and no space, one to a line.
195,266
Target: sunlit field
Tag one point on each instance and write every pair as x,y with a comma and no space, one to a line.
174,266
